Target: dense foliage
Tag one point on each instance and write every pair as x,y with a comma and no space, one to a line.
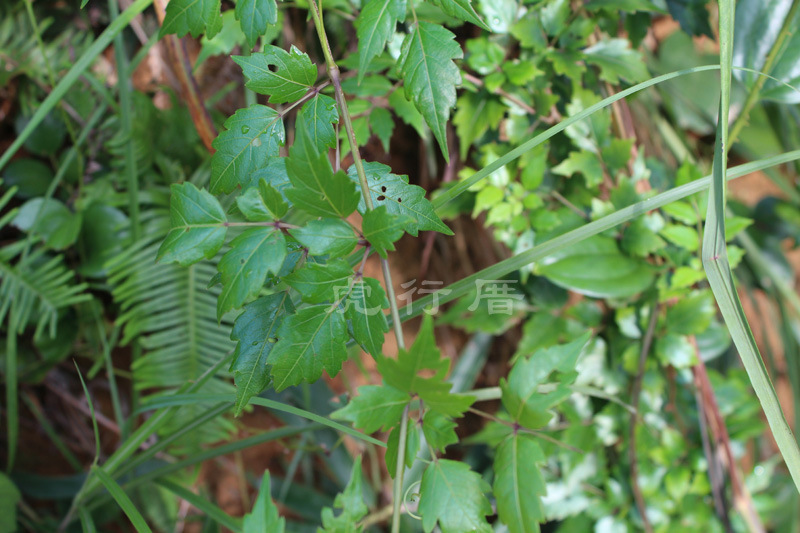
158,295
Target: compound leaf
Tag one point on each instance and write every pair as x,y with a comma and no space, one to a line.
454,496
283,76
399,197
244,268
252,136
255,330
255,17
197,226
374,27
312,340
377,407
430,76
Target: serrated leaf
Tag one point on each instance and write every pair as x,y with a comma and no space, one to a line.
439,430
192,16
255,330
255,17
264,516
319,283
430,76
377,407
616,60
393,447
520,394
244,268
364,310
518,484
262,203
197,226
283,76
252,136
309,341
461,9
316,189
381,229
374,26
316,118
399,197
454,497
327,236
351,503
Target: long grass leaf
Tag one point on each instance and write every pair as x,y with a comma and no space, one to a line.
211,510
122,500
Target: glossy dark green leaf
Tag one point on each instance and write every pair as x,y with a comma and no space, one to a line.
364,310
518,484
253,254
327,236
310,341
453,496
430,76
255,17
399,197
252,136
319,283
255,330
264,516
376,408
316,119
283,76
351,504
192,16
381,229
374,27
597,268
197,226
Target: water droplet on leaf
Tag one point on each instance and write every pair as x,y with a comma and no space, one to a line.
245,129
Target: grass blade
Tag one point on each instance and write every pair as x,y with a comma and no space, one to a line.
718,270
211,510
122,500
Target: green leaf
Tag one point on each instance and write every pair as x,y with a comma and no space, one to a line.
256,16
692,16
518,485
317,118
692,314
262,203
264,516
364,311
520,391
476,113
430,76
9,497
50,219
403,373
453,495
381,229
376,408
616,60
192,16
461,9
439,430
197,226
597,268
312,340
586,163
255,330
319,283
399,197
327,236
405,109
244,269
351,503
682,236
393,447
283,76
374,26
317,190
252,136
382,125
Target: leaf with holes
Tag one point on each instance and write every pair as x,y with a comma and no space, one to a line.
374,27
255,331
317,118
430,76
283,76
381,229
309,342
192,16
400,198
197,226
518,484
252,136
319,283
364,310
253,254
255,17
453,496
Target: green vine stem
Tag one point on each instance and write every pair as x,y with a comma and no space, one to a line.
752,97
335,76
